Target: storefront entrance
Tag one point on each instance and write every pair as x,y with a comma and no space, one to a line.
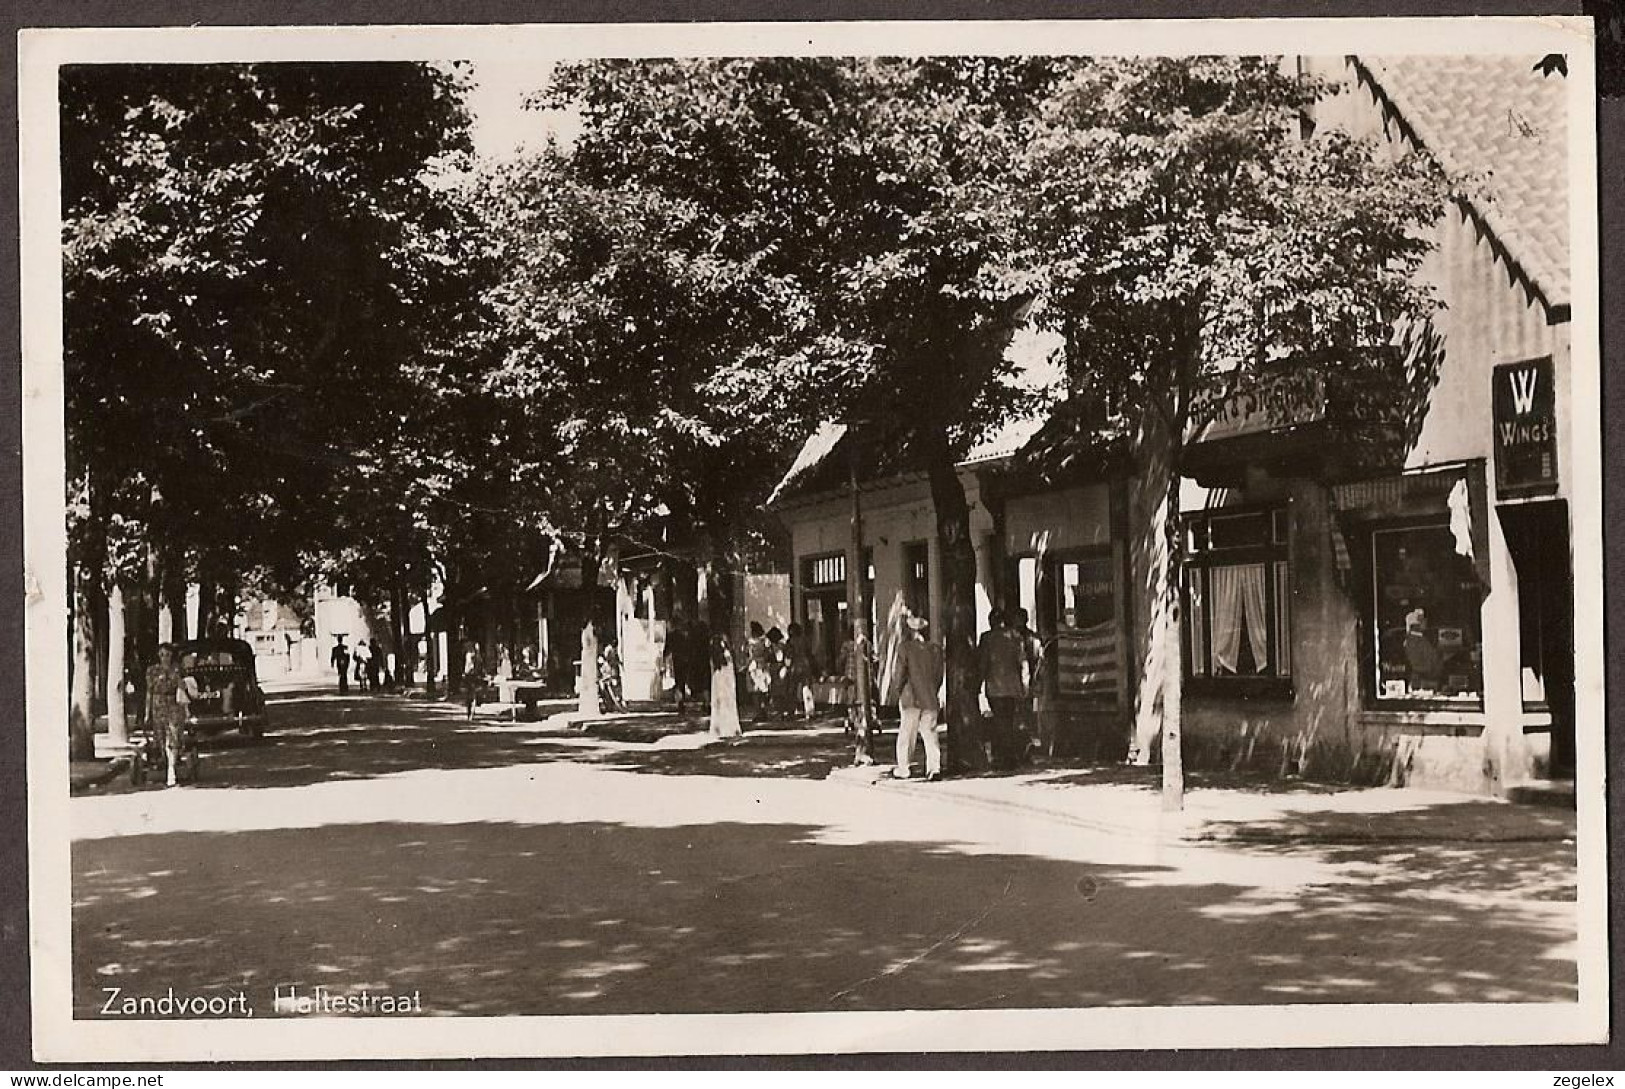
1537,535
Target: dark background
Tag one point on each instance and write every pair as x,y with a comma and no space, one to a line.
15,1049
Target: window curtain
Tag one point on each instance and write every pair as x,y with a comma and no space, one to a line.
1239,597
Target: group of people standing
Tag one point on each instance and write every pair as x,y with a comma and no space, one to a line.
776,671
779,670
363,663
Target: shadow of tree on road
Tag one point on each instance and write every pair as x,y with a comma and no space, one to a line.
589,918
329,738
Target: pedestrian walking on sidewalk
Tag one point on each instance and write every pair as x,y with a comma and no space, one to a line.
363,665
167,696
609,676
474,676
798,672
1004,681
374,666
851,658
919,677
340,660
1031,719
724,690
758,670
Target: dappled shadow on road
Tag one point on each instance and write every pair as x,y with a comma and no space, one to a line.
1455,851
1465,820
598,917
753,758
323,737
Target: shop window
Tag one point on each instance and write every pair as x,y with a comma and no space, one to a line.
1424,619
917,578
1086,626
1238,597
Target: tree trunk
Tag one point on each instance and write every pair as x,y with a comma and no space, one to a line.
719,592
81,712
117,729
1173,683
958,564
399,637
207,602
226,609
431,652
1158,716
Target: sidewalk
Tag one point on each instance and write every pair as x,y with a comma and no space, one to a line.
1236,809
1126,801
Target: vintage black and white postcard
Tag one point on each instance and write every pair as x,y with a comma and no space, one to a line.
812,538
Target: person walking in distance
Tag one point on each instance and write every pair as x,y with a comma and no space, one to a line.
724,690
919,677
1004,681
374,666
1032,711
798,672
340,660
167,696
363,664
758,670
853,657
474,676
675,648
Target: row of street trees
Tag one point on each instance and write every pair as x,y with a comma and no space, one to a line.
393,361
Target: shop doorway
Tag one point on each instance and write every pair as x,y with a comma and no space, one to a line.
824,612
1538,537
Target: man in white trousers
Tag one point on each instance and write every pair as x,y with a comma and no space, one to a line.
919,676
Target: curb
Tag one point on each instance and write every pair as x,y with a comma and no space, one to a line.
115,767
1169,836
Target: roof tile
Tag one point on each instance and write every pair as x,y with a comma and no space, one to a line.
1500,120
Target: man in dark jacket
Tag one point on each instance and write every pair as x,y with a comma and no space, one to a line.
340,659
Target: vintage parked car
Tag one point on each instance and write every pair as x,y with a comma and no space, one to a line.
230,691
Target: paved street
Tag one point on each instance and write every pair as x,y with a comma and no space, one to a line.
531,869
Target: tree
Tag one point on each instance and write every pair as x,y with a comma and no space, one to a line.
253,259
615,315
1192,240
836,213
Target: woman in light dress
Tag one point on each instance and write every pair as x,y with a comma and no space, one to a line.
724,694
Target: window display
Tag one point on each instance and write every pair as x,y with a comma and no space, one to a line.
1237,595
1086,629
1425,618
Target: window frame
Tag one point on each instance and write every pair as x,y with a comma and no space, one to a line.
1195,563
1370,638
1051,601
912,587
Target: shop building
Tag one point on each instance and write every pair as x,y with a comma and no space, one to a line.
1403,612
1384,601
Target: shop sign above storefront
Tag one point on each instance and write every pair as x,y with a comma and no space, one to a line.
1525,410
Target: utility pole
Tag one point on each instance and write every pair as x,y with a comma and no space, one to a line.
860,618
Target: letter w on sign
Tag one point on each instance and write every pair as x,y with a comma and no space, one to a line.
1523,389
